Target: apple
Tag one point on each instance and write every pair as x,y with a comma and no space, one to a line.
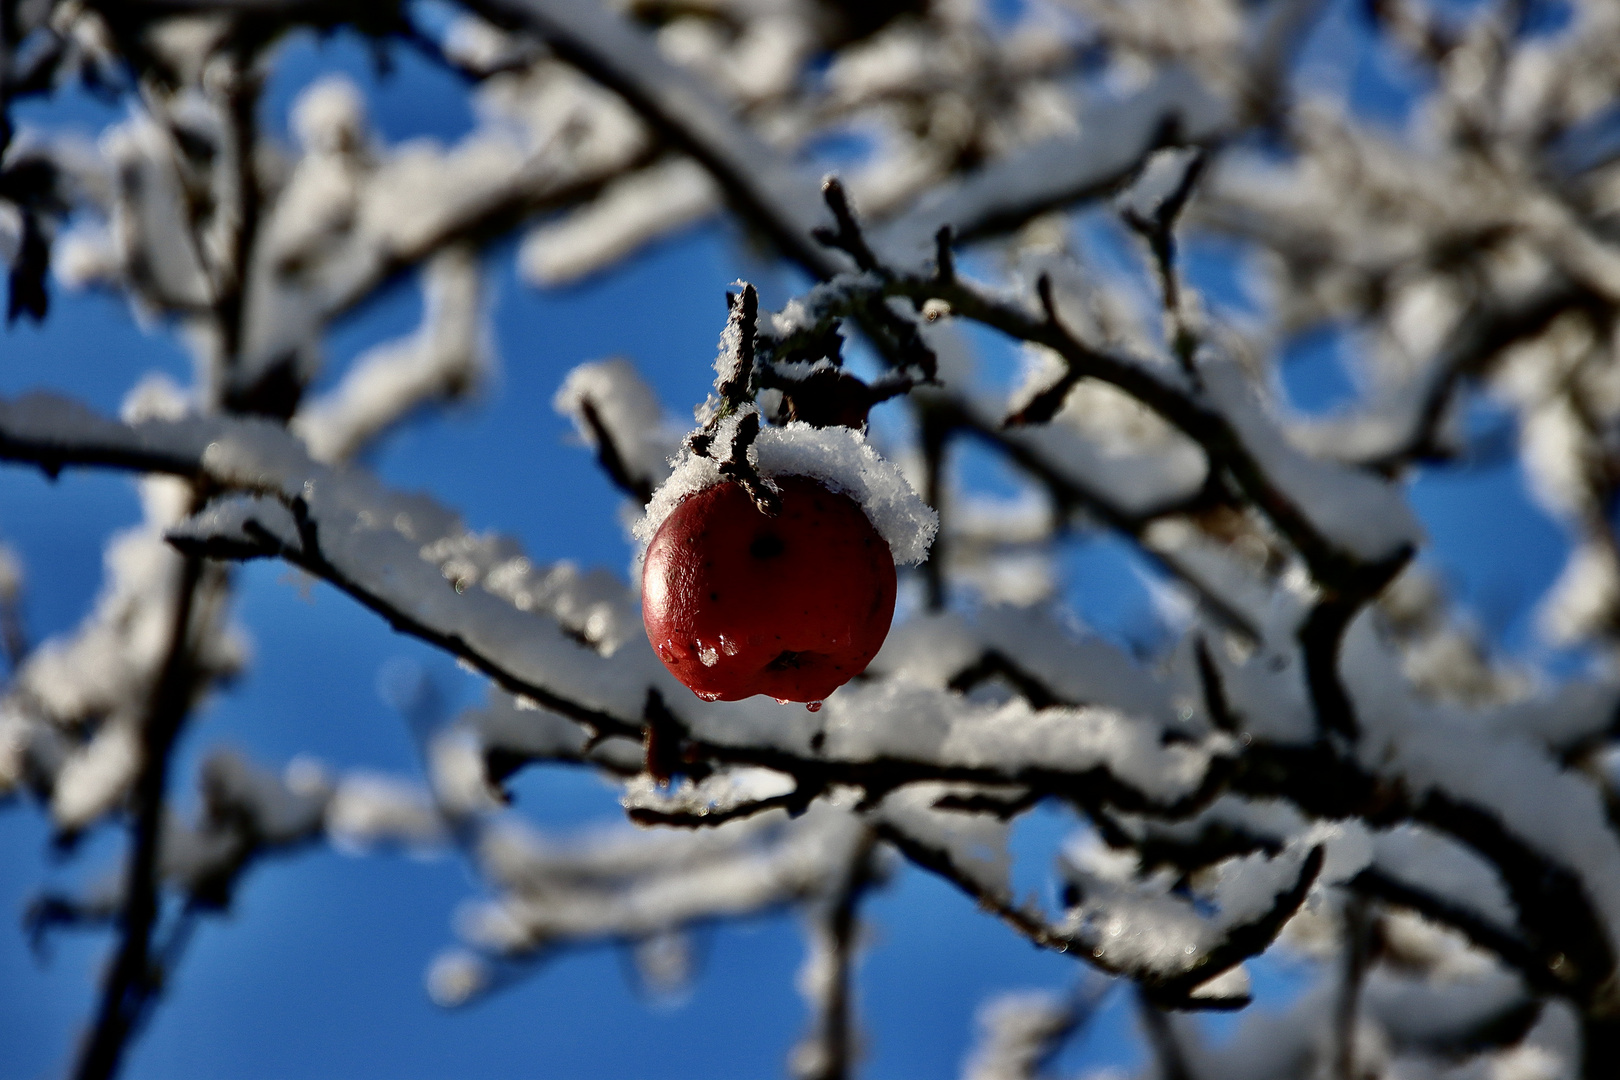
737,603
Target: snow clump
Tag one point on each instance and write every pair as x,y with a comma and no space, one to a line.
626,408
840,458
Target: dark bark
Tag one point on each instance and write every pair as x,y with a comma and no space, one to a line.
1600,1048
133,979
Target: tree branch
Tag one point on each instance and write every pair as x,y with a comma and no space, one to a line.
1233,431
132,980
828,1051
765,189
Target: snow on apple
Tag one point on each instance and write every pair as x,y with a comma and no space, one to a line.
841,459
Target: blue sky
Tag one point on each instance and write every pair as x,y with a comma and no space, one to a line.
317,971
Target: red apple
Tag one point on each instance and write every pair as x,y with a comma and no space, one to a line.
794,606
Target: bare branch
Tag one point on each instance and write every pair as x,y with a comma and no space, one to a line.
1151,207
132,980
829,1050
1347,1014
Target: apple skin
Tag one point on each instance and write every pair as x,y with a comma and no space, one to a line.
793,606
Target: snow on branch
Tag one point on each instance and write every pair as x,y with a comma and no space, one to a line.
442,361
624,886
1326,757
1405,1025
408,559
616,413
1019,1033
775,196
715,799
1504,796
765,188
1345,522
351,212
245,813
1180,956
1114,137
405,557
1168,944
75,713
1345,510
630,211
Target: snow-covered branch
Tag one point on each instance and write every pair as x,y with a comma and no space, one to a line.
1312,748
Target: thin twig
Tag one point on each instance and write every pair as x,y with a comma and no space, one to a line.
13,629
1357,941
1157,227
944,258
133,980
847,237
935,437
828,1051
1166,1043
611,458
